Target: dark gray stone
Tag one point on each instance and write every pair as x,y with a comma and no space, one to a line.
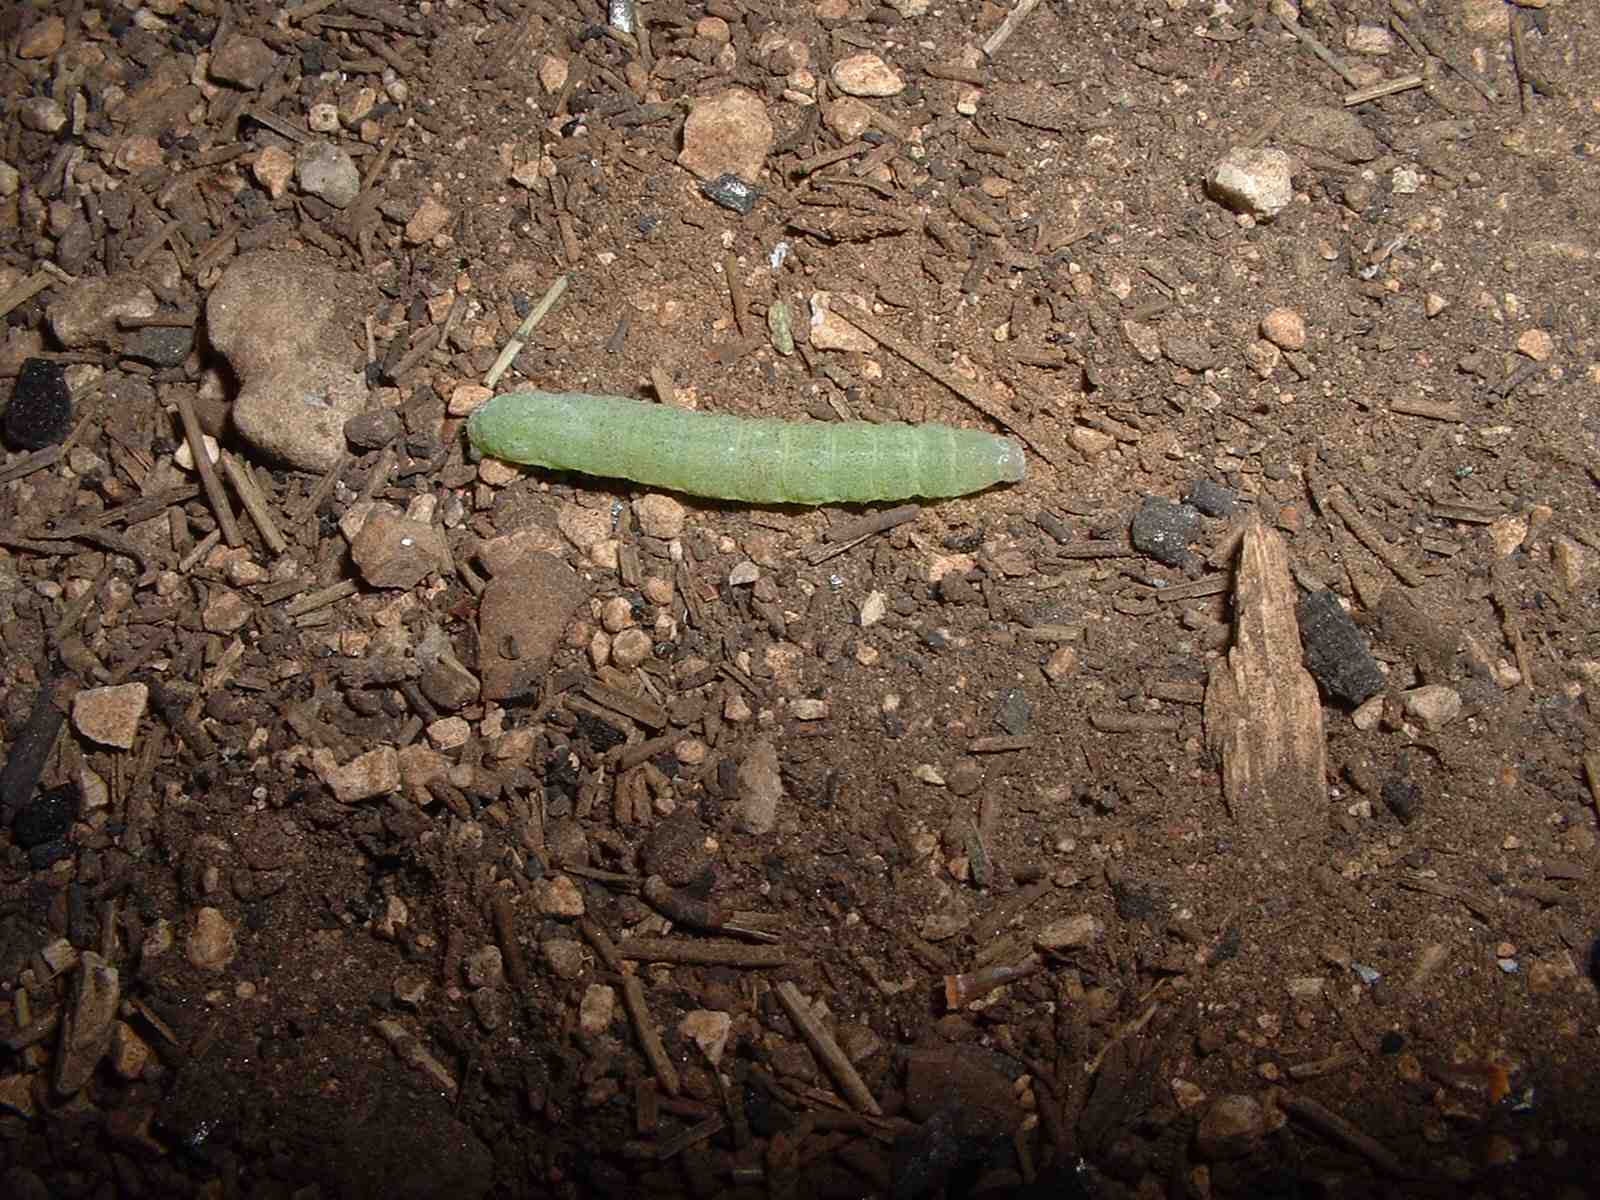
1335,651
1163,530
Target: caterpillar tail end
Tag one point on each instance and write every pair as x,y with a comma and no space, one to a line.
1013,463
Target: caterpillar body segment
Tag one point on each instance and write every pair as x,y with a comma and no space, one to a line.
758,460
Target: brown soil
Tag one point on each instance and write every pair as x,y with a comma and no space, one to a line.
1369,973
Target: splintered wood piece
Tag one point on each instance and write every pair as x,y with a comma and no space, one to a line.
644,1027
824,1047
1261,707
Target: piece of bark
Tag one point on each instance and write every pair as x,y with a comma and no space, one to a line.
1261,708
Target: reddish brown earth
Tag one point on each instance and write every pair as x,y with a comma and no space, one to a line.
835,761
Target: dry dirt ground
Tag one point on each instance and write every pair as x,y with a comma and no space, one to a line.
410,825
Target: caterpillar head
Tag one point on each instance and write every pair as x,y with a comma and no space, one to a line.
1013,464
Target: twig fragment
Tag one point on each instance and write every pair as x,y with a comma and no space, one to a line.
853,533
1403,11
961,990
603,945
417,1056
1008,27
644,1027
1529,77
824,1047
324,488
1591,774
24,290
519,339
702,953
1330,1124
215,494
1337,501
320,598
737,294
1389,87
880,332
254,503
1286,14
1434,410
505,933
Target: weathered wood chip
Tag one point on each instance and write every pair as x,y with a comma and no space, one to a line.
1261,711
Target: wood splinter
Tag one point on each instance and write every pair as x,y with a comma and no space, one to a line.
1262,712
644,1028
962,990
833,1058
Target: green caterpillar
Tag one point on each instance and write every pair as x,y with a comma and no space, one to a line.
741,458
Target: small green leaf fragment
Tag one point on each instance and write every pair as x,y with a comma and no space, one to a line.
778,325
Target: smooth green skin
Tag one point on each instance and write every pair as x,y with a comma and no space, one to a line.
741,458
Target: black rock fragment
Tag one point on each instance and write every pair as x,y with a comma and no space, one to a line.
161,345
1336,652
1211,498
373,428
731,192
40,411
47,817
28,752
1163,530
1015,712
1403,797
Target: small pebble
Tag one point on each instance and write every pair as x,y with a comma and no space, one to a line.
427,222
1062,662
596,1009
323,117
1284,328
709,1030
110,715
365,777
1230,1128
806,709
659,516
760,788
552,73
42,39
244,61
1091,443
1256,181
564,957
630,648
1369,39
1537,345
616,614
212,944
965,776
41,114
1163,530
558,896
731,193
1434,705
329,173
727,134
866,74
